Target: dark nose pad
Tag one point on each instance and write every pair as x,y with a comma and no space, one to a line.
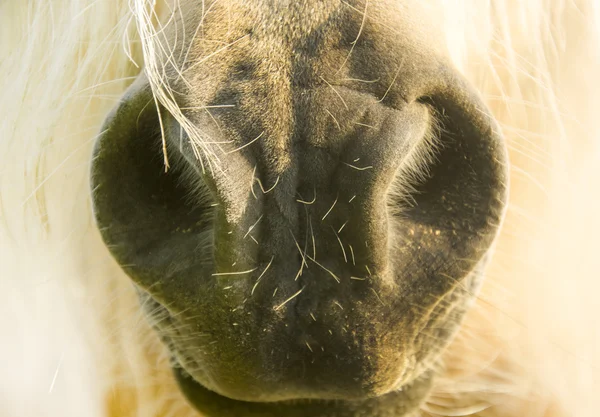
169,247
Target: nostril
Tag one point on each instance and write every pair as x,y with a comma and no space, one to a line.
460,181
448,199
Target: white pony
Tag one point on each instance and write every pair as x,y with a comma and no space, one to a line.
75,342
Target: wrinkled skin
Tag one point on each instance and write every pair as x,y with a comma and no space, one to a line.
290,279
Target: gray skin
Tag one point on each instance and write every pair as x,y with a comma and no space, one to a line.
290,280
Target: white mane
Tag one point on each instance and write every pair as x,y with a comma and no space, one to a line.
75,343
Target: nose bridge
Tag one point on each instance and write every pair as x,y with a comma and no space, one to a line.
344,190
342,226
328,207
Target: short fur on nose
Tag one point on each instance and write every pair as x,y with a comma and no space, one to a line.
331,248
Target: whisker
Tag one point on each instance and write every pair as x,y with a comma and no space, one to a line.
280,306
341,245
309,202
220,274
327,270
336,92
393,81
261,275
352,254
247,144
334,119
331,208
253,226
358,168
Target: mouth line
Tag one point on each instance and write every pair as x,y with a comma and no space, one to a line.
211,404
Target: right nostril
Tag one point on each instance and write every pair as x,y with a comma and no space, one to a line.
445,216
462,174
